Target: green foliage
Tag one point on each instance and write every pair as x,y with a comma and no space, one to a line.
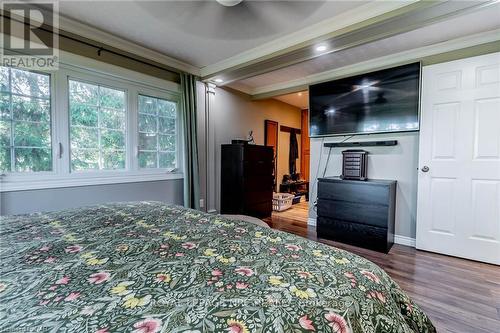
97,122
27,134
157,133
83,115
32,159
147,159
84,159
24,121
97,125
4,158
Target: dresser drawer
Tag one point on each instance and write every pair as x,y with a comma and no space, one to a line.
370,237
258,183
363,192
257,168
361,213
253,153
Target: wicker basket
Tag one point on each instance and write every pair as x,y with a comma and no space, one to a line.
282,201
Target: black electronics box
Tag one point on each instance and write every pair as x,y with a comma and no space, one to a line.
354,164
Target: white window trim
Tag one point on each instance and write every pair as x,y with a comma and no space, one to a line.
133,83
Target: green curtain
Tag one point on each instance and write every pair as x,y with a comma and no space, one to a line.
191,174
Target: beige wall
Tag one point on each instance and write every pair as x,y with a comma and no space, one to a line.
244,114
231,115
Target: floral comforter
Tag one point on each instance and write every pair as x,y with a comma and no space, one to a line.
147,267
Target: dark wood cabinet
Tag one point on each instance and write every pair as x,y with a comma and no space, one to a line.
359,213
247,180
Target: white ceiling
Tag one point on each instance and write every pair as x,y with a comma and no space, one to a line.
298,99
479,21
202,32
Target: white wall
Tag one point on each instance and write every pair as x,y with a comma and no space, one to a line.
395,162
231,115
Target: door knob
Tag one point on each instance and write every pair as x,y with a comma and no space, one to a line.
425,168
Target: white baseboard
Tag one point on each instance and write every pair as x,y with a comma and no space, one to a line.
403,240
398,239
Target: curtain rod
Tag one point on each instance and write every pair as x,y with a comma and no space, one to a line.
100,49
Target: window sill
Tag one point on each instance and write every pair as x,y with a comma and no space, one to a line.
54,181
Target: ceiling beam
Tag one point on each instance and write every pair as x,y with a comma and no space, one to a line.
300,38
401,20
481,43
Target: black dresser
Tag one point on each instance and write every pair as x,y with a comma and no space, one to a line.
359,213
247,180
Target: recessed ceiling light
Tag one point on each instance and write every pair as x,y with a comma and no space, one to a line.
219,80
321,48
229,3
300,94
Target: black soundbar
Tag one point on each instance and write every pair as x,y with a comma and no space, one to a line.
362,143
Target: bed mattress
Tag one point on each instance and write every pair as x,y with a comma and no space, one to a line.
147,267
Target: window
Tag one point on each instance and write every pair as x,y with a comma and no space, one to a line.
25,121
157,133
97,122
88,123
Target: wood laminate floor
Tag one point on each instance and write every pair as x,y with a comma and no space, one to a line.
460,296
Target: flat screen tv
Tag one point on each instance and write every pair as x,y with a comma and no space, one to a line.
377,102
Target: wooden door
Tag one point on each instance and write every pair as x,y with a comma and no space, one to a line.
305,152
271,140
458,211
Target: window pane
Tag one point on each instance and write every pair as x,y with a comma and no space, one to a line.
80,92
84,137
5,133
167,142
166,125
32,159
83,114
112,98
4,79
4,159
167,160
147,141
147,104
147,160
25,116
28,134
4,106
84,159
147,123
167,109
112,139
157,133
112,118
30,84
113,159
97,122
32,109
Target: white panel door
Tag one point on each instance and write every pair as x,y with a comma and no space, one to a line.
458,209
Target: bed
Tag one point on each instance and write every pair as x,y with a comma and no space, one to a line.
147,267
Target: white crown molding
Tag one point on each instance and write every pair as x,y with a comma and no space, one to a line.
372,64
343,20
